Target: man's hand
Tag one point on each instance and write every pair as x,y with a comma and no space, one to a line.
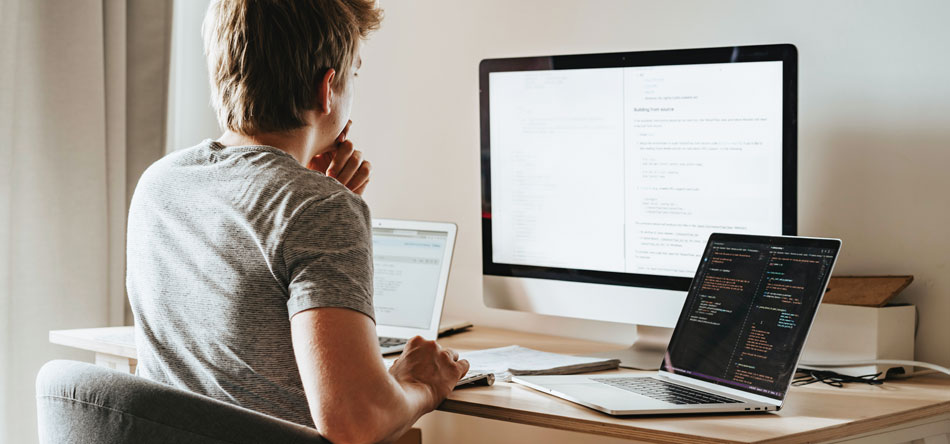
427,363
344,163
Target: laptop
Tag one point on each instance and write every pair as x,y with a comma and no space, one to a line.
737,341
411,261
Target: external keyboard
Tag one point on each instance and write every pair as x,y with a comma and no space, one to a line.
665,391
391,342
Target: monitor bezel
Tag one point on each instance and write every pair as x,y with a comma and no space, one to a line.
785,53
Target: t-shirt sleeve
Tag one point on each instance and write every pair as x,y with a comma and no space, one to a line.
328,252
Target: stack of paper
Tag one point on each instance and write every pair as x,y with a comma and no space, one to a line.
505,362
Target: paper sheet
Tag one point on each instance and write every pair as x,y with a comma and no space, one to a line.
516,360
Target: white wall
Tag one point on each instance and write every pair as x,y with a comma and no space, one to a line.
190,117
874,132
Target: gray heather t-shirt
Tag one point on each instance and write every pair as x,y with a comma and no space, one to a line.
225,245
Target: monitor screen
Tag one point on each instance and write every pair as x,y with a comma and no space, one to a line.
615,168
407,266
748,311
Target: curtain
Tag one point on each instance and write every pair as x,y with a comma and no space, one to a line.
82,113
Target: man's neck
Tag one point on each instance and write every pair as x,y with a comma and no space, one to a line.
299,143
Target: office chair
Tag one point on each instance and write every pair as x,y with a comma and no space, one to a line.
80,403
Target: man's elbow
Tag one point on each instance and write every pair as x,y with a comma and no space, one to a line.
345,433
363,428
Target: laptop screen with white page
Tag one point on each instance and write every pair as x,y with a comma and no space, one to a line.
411,262
749,310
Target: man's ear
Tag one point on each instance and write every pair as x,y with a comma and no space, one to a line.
325,92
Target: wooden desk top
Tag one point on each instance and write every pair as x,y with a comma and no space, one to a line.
814,413
817,412
118,341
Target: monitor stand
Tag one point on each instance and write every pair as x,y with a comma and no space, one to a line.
647,351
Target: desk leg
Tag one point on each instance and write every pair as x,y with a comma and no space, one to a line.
120,363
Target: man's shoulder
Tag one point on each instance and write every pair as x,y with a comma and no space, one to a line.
288,184
259,181
272,185
258,168
174,165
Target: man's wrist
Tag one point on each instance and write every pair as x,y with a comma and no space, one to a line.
427,396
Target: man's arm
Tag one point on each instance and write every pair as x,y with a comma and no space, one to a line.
352,397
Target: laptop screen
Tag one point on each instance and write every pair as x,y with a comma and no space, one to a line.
407,266
748,311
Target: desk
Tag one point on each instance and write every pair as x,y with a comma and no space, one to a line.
114,346
904,411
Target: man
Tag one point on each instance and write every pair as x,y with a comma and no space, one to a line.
249,256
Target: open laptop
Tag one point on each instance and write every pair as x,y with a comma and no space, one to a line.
411,261
737,341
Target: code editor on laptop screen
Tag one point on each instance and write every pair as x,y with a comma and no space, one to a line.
748,311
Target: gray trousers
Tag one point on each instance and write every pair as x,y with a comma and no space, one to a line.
81,403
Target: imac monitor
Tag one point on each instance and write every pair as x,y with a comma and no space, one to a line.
603,175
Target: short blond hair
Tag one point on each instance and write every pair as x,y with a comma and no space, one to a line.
266,58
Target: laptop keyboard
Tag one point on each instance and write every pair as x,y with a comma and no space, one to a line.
665,391
391,342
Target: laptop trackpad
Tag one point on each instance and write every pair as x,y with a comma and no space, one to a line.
608,397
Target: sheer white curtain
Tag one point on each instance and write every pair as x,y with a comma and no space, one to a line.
82,111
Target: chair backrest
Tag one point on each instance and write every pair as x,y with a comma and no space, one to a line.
79,402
